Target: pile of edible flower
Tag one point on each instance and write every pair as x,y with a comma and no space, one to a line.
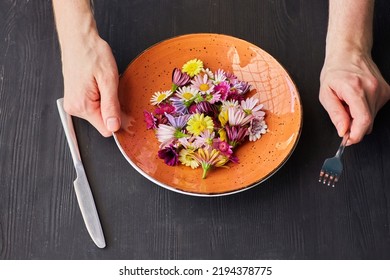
204,117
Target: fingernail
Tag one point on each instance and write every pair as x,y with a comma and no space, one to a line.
340,128
113,124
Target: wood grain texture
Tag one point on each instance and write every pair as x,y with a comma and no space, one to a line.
290,216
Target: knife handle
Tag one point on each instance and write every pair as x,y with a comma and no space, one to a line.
67,123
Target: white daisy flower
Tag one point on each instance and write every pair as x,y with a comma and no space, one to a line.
187,93
160,96
209,73
229,104
251,106
219,76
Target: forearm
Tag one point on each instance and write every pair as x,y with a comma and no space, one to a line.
74,21
350,26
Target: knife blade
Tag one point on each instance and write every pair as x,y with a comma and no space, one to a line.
81,185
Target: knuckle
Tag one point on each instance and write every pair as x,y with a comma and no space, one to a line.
70,108
355,83
372,84
108,80
366,120
323,96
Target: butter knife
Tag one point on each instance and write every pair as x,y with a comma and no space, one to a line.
81,185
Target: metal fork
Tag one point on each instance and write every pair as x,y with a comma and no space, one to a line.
332,167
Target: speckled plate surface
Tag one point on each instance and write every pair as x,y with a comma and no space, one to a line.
151,71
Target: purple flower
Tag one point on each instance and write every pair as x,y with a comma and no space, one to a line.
231,77
256,129
235,96
206,108
192,109
223,89
164,108
161,119
179,105
242,87
169,155
179,78
150,120
236,134
223,147
178,122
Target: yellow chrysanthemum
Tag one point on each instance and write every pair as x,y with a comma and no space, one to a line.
223,117
222,135
208,158
199,123
222,160
193,67
186,157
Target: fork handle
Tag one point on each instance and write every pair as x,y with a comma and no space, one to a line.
340,150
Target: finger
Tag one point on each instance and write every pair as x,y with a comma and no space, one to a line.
336,110
362,118
89,111
96,120
109,103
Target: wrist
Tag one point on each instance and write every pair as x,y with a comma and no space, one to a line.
336,46
80,32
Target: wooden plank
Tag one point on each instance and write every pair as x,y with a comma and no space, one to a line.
290,216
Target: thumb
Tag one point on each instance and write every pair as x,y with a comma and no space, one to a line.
338,114
109,103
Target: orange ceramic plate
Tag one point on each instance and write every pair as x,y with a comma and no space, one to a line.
152,71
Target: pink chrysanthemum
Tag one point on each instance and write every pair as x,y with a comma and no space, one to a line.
150,120
164,108
223,89
223,147
179,78
203,84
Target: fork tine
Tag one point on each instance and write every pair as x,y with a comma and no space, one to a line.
326,176
321,175
330,181
336,179
333,182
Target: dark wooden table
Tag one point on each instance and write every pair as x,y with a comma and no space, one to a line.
290,216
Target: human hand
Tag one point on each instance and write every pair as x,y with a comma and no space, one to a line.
352,91
91,83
